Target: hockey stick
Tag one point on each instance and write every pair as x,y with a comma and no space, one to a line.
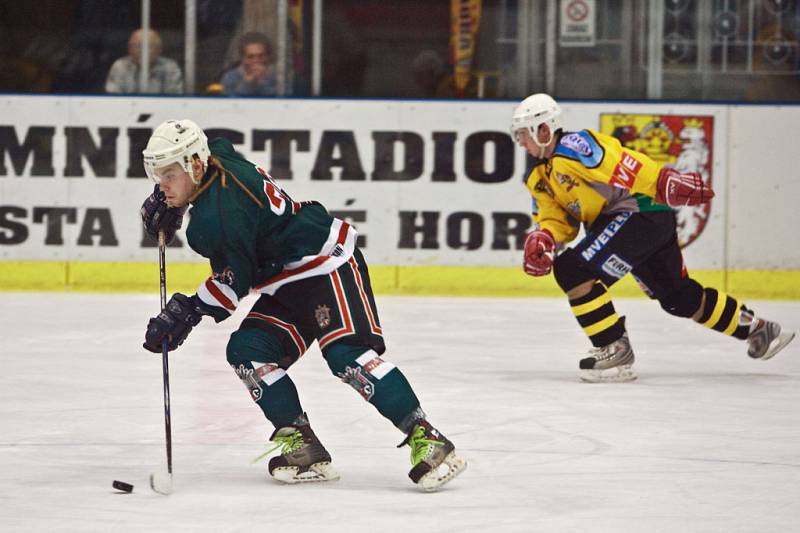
161,481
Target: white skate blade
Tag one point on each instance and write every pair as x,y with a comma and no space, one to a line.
610,375
161,482
452,466
778,344
316,472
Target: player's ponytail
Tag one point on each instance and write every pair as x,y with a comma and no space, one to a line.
223,173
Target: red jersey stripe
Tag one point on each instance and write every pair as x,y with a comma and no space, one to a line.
289,328
219,295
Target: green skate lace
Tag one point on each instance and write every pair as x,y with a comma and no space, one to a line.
419,445
287,444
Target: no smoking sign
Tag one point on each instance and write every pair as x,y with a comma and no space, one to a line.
576,23
577,10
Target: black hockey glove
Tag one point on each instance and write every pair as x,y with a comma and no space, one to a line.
157,215
173,323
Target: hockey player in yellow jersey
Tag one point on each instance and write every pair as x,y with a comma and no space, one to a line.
588,178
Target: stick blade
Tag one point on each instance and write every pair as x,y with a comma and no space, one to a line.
161,482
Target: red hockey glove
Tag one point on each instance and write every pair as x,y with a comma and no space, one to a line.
539,253
676,189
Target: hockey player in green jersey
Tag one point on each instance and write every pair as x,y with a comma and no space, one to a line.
588,177
313,284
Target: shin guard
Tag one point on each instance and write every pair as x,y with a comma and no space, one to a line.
257,359
725,314
376,380
596,315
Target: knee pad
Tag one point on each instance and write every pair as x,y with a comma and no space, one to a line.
252,344
685,301
247,350
340,356
569,270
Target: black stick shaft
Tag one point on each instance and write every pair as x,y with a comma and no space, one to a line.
162,265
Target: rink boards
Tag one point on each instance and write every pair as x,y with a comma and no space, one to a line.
435,189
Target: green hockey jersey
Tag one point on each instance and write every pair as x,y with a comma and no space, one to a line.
256,237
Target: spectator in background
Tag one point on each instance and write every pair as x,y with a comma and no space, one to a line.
346,59
254,75
429,71
434,78
165,76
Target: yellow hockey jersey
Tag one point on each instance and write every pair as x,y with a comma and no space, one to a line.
589,174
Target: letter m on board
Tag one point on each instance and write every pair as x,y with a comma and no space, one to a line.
38,141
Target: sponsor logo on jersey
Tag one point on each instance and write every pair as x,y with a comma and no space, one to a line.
323,316
568,182
615,266
625,172
605,236
543,187
574,209
356,379
226,276
575,142
684,142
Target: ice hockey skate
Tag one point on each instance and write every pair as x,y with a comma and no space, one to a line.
303,459
766,339
433,457
613,362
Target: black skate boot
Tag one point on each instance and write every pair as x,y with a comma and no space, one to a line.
303,458
613,362
766,339
433,457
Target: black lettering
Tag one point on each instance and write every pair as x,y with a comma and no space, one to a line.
475,163
97,222
39,140
11,231
510,225
80,145
137,141
409,229
443,155
280,160
455,226
52,218
413,160
348,160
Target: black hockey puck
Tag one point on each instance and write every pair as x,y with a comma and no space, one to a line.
121,485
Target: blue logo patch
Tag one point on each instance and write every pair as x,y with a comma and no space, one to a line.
575,142
581,146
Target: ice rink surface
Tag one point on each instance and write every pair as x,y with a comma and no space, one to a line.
704,440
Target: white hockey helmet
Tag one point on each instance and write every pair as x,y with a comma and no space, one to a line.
175,141
535,110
